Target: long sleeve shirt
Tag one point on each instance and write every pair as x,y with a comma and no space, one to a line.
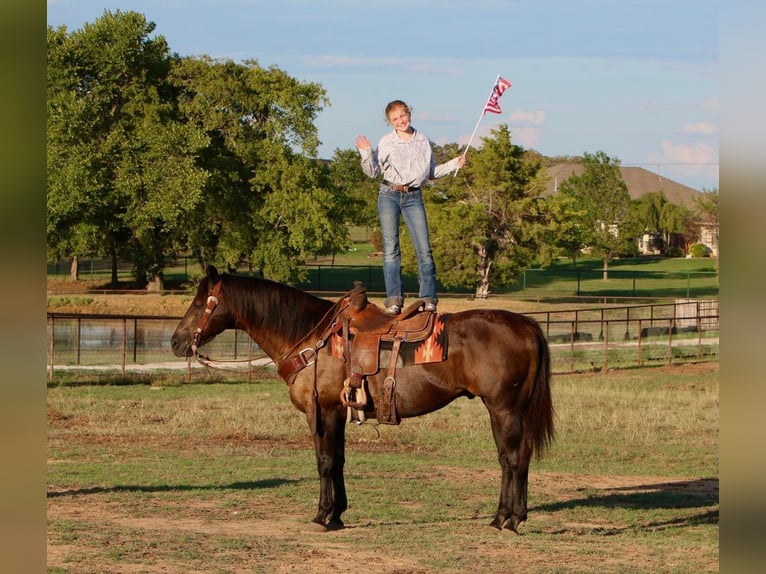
404,162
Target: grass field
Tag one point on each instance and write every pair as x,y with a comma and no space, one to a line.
164,477
632,277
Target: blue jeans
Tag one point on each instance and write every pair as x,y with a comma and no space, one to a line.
391,206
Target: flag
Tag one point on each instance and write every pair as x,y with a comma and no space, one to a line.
493,104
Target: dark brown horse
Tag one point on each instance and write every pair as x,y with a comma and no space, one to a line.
498,356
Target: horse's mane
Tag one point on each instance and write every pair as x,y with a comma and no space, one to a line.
273,306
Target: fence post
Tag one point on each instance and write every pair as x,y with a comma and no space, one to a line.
606,346
571,348
79,338
577,321
601,332
670,341
639,342
53,337
135,340
249,360
124,342
699,332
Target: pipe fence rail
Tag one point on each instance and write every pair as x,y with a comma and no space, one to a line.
580,340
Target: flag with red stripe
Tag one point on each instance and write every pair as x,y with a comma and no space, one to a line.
493,103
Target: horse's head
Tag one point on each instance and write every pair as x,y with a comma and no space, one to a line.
207,316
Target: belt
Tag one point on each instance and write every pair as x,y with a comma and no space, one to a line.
401,188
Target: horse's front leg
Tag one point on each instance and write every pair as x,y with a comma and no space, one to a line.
330,446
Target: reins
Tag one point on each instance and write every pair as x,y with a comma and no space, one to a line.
292,362
303,358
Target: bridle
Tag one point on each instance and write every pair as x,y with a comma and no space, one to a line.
211,304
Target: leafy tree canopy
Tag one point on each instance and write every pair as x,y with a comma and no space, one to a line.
602,195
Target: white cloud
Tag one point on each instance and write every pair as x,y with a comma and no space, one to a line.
527,137
699,153
700,128
698,161
536,118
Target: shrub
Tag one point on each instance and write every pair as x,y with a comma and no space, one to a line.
698,250
674,252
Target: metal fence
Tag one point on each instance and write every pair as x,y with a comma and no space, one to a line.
632,335
538,282
531,283
580,340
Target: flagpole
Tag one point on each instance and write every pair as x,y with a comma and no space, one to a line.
481,116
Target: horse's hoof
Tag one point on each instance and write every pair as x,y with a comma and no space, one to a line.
317,527
335,525
513,524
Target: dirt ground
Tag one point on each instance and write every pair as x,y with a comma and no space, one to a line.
317,551
550,541
65,296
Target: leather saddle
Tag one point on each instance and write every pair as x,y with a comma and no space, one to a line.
366,329
369,327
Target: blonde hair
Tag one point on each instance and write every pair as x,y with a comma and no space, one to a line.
397,104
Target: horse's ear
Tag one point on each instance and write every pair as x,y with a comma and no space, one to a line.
212,274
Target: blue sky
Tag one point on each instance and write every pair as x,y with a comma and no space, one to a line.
636,79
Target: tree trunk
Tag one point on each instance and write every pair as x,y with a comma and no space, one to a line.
156,283
482,288
606,269
74,269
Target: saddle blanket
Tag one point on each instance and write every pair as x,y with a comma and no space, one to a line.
430,350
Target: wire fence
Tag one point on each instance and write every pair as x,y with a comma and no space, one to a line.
549,282
580,340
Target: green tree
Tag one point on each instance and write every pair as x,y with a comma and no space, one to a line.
652,213
269,202
601,193
649,211
359,192
482,220
706,209
674,220
560,232
121,167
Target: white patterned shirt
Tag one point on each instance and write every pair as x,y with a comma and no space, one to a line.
405,162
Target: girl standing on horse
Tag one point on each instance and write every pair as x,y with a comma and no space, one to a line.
405,160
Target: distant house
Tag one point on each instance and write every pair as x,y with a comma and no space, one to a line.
641,181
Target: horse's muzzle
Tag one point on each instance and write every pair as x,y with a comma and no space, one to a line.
181,347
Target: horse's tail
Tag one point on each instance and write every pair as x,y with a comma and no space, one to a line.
538,418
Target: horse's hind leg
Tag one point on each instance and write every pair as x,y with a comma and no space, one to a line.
330,454
514,463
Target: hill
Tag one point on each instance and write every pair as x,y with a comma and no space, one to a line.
640,181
